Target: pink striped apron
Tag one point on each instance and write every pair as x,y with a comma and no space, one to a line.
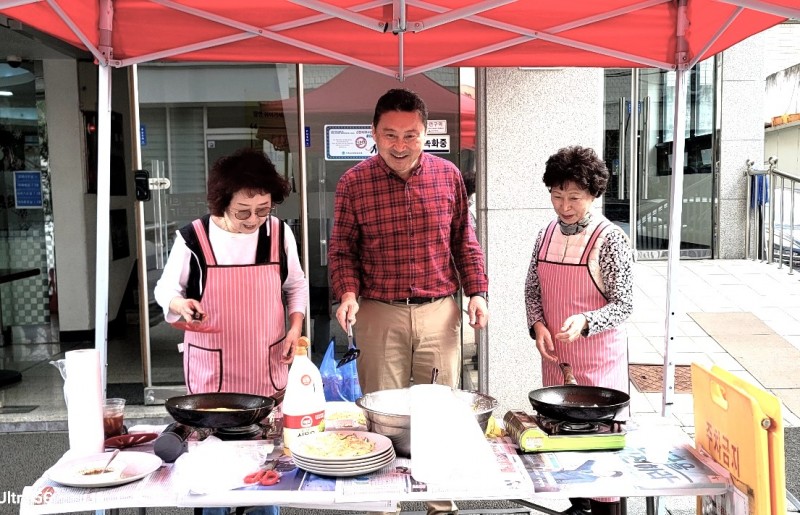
597,360
245,302
569,289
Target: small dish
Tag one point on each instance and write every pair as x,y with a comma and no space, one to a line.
129,466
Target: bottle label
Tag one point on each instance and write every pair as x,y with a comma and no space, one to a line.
303,421
295,426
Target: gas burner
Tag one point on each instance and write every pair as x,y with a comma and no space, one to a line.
242,433
536,433
565,427
576,428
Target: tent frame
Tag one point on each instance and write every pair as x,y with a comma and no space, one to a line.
399,25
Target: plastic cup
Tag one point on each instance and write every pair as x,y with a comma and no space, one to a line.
113,416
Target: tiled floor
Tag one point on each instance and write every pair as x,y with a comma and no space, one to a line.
771,293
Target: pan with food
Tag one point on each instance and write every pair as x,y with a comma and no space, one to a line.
221,410
577,403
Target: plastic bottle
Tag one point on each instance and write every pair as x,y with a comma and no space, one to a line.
304,404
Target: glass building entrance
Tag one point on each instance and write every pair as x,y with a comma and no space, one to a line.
639,107
190,115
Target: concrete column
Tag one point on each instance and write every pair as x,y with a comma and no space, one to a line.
741,129
530,115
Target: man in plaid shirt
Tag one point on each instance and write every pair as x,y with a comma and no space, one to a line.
402,245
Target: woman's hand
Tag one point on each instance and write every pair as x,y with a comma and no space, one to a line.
290,344
292,335
191,310
346,312
572,328
544,342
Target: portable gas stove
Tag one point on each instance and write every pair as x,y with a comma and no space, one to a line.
536,433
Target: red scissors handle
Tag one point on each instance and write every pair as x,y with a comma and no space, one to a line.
263,477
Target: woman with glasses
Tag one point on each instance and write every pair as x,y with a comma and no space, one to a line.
227,273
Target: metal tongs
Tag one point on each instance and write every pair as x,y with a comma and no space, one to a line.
352,351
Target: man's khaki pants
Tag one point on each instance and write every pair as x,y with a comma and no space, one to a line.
402,342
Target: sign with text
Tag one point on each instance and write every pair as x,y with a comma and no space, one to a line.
349,142
354,143
437,126
28,190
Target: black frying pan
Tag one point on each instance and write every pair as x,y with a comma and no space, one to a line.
221,410
577,403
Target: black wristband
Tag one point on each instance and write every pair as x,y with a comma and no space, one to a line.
482,294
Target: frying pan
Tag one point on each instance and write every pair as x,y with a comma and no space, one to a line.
576,403
236,409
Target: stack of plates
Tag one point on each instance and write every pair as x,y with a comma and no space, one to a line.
306,454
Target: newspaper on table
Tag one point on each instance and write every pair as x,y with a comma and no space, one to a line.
46,496
396,481
225,486
628,472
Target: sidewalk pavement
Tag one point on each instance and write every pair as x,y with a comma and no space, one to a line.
767,291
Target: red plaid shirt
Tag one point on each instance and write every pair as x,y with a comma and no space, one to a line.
394,239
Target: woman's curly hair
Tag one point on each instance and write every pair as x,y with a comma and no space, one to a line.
577,164
248,170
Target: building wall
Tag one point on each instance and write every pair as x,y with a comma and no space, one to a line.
741,130
530,115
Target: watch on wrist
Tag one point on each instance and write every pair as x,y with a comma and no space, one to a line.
483,294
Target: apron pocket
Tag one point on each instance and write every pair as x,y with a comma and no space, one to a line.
278,372
203,368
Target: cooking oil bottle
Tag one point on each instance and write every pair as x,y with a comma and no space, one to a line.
304,404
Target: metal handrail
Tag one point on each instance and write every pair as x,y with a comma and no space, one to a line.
777,181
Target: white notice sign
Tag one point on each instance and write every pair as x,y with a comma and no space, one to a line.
437,126
349,142
354,143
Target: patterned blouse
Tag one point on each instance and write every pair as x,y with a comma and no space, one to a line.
611,267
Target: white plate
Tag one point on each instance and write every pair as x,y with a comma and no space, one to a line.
305,443
127,467
389,455
323,470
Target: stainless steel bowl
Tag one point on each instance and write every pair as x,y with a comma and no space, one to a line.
388,413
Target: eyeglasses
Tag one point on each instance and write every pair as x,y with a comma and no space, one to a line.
244,214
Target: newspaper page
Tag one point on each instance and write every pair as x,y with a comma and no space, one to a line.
396,481
46,496
206,480
629,472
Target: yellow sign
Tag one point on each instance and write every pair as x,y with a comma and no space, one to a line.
740,426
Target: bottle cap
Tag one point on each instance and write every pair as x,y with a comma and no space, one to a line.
303,343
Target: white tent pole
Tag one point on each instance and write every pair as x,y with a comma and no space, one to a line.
103,209
103,192
675,209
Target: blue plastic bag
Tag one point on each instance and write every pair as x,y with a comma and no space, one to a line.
339,384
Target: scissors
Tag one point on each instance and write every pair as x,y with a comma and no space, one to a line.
352,351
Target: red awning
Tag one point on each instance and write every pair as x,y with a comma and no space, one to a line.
597,33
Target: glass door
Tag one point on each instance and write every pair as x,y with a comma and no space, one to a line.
639,107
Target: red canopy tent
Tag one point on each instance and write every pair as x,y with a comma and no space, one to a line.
405,37
402,38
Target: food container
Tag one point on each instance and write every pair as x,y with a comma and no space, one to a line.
388,413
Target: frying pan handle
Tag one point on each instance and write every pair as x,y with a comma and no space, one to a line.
278,396
566,369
